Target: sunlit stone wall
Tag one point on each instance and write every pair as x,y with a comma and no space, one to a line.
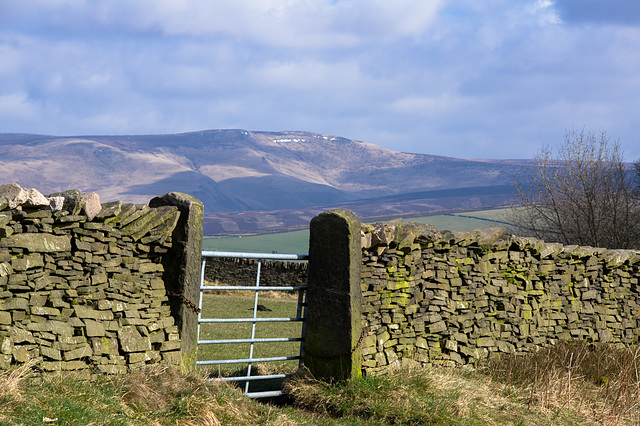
459,298
82,284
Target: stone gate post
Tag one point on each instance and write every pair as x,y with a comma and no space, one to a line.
334,297
182,267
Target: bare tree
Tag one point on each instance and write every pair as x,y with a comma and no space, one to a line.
586,195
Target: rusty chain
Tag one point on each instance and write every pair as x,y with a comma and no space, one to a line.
352,350
186,301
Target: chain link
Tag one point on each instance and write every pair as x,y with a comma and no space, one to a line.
186,301
355,348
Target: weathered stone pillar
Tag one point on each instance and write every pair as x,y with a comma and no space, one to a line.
182,265
334,297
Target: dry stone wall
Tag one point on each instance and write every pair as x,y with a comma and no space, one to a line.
459,298
81,283
236,271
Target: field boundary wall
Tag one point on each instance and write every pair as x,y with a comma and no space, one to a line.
459,298
95,288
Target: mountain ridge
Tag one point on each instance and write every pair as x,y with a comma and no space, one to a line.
235,170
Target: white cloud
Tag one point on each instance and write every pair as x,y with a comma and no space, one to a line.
429,106
17,106
286,23
309,75
297,23
11,60
444,77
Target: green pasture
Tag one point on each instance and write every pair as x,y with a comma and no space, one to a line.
232,306
298,241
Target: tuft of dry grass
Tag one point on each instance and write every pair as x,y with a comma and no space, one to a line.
11,387
408,396
11,382
598,382
189,397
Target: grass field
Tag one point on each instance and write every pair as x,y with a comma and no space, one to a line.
230,306
298,241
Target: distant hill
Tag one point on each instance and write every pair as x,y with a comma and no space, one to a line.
272,177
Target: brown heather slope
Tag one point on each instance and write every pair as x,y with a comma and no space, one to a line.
243,171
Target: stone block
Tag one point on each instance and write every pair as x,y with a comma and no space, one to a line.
94,328
157,337
438,327
5,269
74,365
60,328
13,195
108,210
170,346
112,369
73,202
20,335
105,345
87,312
45,311
81,352
605,335
51,353
6,345
5,361
485,342
56,203
44,243
21,354
172,358
150,267
35,199
132,341
90,204
5,217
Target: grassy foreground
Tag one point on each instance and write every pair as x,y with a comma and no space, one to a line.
566,385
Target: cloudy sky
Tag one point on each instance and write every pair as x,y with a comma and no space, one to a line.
462,78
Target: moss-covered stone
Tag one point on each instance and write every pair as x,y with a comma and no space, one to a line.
477,294
73,201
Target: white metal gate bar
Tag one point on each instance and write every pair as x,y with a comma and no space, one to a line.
299,317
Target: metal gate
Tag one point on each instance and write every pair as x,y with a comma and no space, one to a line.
299,317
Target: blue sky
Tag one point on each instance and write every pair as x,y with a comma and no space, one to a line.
461,78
